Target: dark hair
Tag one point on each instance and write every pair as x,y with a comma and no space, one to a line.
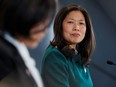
19,16
85,47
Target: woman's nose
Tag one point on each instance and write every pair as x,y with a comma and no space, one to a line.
76,27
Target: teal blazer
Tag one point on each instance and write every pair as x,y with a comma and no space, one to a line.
57,71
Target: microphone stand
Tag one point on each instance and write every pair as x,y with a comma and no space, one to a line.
104,71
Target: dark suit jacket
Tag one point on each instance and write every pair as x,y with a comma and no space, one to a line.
13,71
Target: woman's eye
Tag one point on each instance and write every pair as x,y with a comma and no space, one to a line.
70,22
82,23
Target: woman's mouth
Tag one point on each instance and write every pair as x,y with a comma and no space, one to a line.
76,34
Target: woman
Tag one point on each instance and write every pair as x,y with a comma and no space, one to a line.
23,23
66,59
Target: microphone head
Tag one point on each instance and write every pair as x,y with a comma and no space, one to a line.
110,62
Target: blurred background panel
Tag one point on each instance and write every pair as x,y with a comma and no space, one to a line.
103,15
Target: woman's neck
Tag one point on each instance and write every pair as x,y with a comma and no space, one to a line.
73,46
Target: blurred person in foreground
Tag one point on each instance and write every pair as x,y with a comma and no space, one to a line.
67,58
23,23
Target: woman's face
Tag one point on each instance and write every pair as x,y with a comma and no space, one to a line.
37,33
74,27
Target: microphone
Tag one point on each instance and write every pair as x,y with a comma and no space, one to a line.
110,62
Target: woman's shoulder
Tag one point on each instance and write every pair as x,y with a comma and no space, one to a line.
53,59
5,44
53,54
52,50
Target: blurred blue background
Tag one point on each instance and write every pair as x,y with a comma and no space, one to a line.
103,15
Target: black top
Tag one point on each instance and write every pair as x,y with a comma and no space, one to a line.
12,67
